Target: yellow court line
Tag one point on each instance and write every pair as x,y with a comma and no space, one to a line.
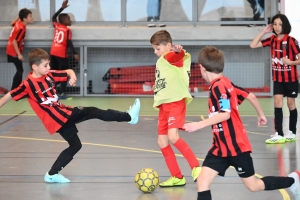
283,192
258,133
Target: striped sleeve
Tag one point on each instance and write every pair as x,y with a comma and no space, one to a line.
19,93
222,96
295,46
58,76
241,93
267,42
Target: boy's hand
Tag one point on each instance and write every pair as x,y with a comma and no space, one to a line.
268,28
64,4
20,57
286,61
176,48
191,127
261,120
73,80
77,58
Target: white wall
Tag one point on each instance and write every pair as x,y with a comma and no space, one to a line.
291,9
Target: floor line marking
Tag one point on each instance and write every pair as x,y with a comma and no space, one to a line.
9,127
283,192
13,117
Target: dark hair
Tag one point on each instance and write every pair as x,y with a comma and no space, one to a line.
212,59
286,26
23,13
36,56
161,37
62,17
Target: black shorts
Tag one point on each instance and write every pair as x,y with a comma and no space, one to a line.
242,163
15,60
289,89
58,63
79,114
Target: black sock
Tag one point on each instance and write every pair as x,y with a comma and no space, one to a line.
293,120
277,182
205,195
278,120
66,155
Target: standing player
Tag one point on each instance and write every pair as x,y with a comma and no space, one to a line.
15,44
61,42
171,95
231,146
285,54
39,89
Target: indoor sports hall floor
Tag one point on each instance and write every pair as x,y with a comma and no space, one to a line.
113,152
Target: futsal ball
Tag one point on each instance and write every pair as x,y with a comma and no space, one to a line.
146,180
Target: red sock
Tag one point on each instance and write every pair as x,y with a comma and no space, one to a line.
187,152
171,161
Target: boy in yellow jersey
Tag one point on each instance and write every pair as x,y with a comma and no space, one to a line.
171,95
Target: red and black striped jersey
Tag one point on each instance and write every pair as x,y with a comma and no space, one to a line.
42,97
287,47
229,137
18,33
60,42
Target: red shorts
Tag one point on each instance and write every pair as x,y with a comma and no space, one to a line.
171,115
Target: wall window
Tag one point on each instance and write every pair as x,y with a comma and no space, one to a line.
92,10
10,9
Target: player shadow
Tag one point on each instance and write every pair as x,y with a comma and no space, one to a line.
57,191
147,196
174,193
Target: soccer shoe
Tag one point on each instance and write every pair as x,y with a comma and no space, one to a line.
195,173
276,139
295,188
173,182
56,178
151,25
134,111
290,137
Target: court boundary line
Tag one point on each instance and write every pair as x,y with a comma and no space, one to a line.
283,192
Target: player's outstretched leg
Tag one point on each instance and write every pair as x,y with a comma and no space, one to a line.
295,188
134,111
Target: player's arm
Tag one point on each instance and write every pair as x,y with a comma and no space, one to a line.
261,119
63,6
287,61
12,23
256,42
72,48
220,117
175,57
6,98
16,47
221,114
72,76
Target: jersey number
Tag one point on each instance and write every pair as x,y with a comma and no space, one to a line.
59,36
